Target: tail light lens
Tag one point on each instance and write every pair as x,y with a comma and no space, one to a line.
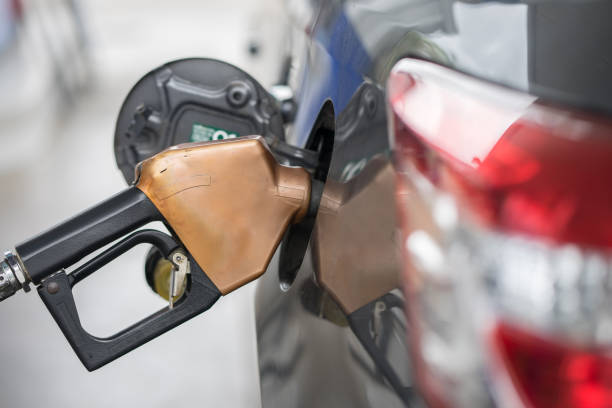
505,207
550,374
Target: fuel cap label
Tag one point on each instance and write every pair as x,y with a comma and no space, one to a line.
205,133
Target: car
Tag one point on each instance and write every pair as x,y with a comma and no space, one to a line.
467,187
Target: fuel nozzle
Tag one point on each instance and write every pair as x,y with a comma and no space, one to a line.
227,205
12,276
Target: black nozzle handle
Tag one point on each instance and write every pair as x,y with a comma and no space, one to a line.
67,243
94,352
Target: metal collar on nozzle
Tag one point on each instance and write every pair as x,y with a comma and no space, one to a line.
12,276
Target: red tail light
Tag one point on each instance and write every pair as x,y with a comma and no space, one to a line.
505,203
549,374
521,165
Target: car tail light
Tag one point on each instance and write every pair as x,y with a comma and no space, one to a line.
550,374
505,204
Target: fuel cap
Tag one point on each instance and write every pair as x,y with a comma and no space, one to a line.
192,100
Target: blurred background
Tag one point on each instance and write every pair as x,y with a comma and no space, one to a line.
65,67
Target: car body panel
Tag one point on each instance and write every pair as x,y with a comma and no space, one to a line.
309,352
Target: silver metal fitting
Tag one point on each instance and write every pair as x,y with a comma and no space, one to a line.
12,276
178,279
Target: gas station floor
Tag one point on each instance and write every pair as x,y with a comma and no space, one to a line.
208,361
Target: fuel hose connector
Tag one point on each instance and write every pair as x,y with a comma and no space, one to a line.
12,276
